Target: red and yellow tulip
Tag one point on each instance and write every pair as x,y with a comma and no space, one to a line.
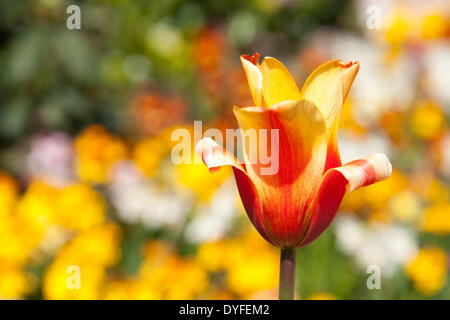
296,204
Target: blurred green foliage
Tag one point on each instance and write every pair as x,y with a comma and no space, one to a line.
55,78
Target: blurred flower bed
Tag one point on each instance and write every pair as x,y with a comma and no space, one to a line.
85,129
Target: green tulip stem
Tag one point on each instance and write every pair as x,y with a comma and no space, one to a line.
287,273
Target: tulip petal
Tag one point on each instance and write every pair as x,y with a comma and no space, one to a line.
254,77
214,156
327,87
298,155
335,182
278,85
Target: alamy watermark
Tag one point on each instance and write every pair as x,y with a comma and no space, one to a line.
74,20
74,278
374,18
261,146
374,280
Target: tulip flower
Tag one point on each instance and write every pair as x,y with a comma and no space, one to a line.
293,206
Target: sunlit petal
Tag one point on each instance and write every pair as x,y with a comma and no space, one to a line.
254,77
297,158
278,85
353,175
327,87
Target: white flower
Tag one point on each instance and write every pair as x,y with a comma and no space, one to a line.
139,200
51,158
437,64
214,219
387,246
354,147
349,233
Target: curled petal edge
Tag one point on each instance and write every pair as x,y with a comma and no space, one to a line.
254,77
335,183
364,172
214,156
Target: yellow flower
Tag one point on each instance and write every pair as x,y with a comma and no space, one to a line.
253,273
80,207
253,265
129,289
197,178
147,155
194,175
377,216
97,150
250,263
99,245
434,26
37,210
172,276
14,245
184,278
155,253
377,195
399,29
14,283
438,192
427,120
214,256
117,290
405,206
437,219
9,189
59,281
428,270
322,296
92,252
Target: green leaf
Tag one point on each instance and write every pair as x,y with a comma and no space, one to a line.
14,118
25,56
76,55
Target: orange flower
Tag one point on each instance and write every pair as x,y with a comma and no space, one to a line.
154,112
293,206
